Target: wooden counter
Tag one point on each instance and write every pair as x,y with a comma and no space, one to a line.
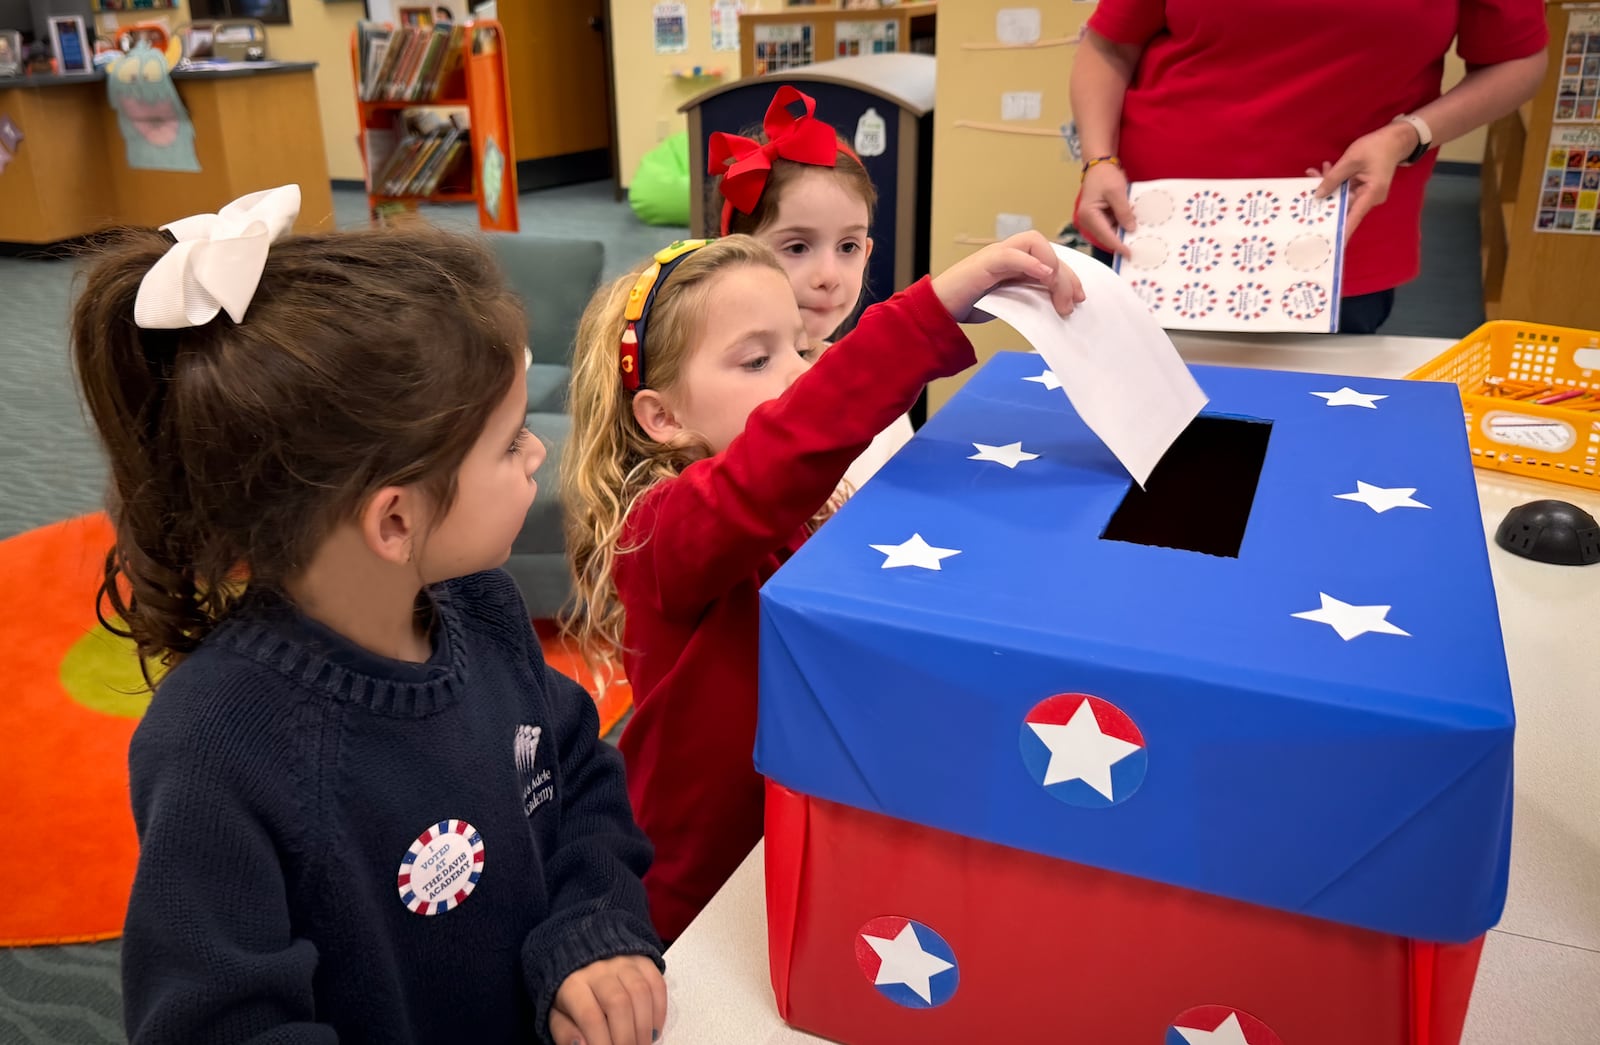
256,125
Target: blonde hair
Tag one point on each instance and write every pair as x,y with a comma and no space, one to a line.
610,461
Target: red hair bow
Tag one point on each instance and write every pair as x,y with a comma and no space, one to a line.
745,163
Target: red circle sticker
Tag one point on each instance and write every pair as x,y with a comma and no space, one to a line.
1219,1025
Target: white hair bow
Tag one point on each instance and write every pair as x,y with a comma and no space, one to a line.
216,263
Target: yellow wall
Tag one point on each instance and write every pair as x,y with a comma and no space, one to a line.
648,95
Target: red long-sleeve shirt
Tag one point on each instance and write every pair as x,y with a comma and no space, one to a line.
706,542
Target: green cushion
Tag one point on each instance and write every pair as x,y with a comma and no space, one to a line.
659,192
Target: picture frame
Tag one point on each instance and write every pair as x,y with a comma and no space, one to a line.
12,58
69,42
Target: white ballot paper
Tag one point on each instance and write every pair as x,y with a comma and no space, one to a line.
1116,365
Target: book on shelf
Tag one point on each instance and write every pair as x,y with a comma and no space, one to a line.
425,150
408,64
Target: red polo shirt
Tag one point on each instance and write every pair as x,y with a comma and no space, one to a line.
1269,88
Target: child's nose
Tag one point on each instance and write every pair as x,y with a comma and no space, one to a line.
535,455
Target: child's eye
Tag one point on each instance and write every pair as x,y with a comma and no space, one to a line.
808,352
850,246
520,441
758,363
795,248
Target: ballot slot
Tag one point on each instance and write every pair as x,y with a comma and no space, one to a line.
1200,494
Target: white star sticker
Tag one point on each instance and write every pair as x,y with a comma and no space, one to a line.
1228,1032
904,961
1348,396
915,552
1048,379
1079,751
1381,499
1350,621
1009,455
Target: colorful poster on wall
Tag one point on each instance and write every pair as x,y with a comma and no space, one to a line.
671,28
1569,194
1578,91
853,38
155,125
780,47
10,138
725,24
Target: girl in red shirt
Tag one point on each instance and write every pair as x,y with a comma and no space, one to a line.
704,442
798,188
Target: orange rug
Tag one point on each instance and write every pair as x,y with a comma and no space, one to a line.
71,703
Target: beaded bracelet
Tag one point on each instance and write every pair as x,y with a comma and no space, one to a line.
1113,160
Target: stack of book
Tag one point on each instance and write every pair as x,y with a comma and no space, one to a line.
430,152
411,63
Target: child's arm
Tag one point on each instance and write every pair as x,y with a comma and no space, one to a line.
576,962
713,525
208,952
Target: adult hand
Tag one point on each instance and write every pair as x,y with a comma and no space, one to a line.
1103,206
1368,165
619,1001
1027,256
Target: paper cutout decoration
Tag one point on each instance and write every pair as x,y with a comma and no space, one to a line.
155,125
1083,751
909,963
1116,364
1219,1025
494,172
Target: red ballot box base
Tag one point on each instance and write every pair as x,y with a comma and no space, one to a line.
883,932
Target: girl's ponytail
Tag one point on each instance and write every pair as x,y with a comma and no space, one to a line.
152,592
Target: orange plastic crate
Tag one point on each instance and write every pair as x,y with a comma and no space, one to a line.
1505,359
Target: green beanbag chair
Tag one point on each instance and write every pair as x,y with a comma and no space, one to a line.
659,192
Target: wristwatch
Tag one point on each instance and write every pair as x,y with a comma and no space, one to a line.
1424,137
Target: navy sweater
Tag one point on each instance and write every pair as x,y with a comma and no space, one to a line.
340,847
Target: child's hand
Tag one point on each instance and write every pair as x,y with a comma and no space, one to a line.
1027,256
620,1001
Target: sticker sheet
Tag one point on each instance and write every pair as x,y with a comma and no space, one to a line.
1236,254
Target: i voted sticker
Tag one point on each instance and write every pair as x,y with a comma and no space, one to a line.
441,868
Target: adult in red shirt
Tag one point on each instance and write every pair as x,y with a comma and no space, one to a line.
1282,88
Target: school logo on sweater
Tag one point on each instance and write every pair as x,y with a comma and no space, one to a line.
1219,1025
536,786
907,962
441,868
1083,750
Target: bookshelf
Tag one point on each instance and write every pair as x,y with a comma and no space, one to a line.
434,113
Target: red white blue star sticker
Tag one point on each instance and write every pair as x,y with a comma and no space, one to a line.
1254,254
1259,207
1308,210
1205,208
441,868
1083,750
907,962
1305,300
1219,1025
1195,301
1148,291
1199,254
1249,301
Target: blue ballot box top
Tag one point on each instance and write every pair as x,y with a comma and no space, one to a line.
1276,674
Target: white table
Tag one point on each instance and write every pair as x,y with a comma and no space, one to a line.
1539,982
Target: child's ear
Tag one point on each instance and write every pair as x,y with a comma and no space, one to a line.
392,522
869,248
655,416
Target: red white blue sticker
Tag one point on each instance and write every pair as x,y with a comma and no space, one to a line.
1308,210
441,868
1148,291
907,962
1259,208
1254,254
1219,1025
1194,301
1083,750
1305,300
1249,301
1200,254
1205,209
